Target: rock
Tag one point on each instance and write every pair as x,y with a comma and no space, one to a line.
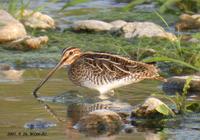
190,39
39,124
194,40
37,20
188,22
100,122
76,111
142,53
118,24
91,25
36,42
4,67
177,83
152,108
28,42
145,29
8,73
10,28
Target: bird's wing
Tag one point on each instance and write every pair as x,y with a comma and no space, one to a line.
113,64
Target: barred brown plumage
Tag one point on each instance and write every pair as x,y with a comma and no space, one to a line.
102,71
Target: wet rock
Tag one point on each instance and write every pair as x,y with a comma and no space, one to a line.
9,73
190,39
36,42
76,111
152,108
4,67
10,28
28,42
91,25
12,74
39,124
145,29
100,122
37,20
188,22
118,24
128,128
177,83
142,53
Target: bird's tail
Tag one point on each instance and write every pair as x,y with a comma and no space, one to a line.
160,78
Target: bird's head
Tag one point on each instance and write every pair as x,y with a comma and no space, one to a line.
69,55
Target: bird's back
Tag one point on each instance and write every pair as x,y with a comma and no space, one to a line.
103,71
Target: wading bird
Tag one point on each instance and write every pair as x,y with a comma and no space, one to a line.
101,71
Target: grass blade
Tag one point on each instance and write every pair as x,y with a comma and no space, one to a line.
72,3
166,59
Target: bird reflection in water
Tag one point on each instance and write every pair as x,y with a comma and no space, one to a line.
99,119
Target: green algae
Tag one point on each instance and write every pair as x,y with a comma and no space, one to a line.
108,42
104,42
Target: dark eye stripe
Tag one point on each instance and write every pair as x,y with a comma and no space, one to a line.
67,49
70,53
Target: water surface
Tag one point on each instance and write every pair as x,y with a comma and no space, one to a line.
18,107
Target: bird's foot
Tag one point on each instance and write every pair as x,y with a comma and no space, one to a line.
103,96
111,92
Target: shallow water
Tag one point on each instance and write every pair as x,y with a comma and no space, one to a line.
19,107
70,14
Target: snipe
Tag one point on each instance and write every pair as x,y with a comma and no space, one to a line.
102,71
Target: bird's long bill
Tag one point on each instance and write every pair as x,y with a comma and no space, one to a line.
58,66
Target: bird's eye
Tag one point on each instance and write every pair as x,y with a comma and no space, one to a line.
70,53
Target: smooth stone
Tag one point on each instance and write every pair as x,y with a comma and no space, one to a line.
12,74
4,67
29,42
148,109
37,20
36,42
177,83
188,22
91,25
39,124
10,28
118,24
100,122
145,29
142,52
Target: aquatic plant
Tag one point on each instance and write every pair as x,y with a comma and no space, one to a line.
72,3
17,7
180,54
188,6
180,99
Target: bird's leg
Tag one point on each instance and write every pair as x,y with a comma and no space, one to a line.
111,92
52,113
103,96
107,94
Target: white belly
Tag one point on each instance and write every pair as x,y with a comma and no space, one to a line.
106,87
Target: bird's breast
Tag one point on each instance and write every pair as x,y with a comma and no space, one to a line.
104,85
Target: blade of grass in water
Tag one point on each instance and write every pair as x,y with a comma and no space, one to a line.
132,4
163,20
12,6
166,59
72,3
